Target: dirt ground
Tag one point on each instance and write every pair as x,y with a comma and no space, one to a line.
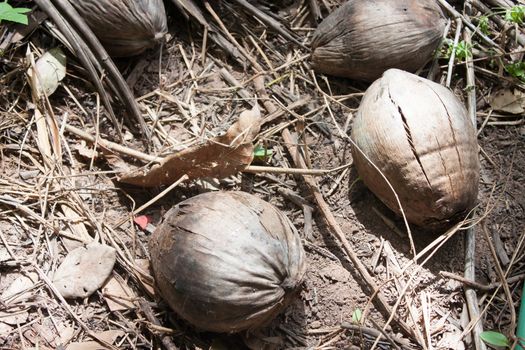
186,98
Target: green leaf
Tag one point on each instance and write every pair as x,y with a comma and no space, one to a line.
494,338
10,13
515,14
517,70
356,316
463,50
262,153
483,23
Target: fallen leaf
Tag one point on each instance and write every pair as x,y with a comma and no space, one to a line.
14,316
50,69
39,333
5,329
118,294
42,140
84,270
4,254
451,339
66,333
109,336
17,291
508,101
20,287
85,151
219,157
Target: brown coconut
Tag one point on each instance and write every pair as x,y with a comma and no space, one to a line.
362,39
418,134
124,27
227,261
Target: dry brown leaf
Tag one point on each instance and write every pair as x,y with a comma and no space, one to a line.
20,287
15,315
19,290
5,329
219,157
4,254
84,270
50,69
451,339
118,294
109,336
42,141
66,333
508,101
40,333
44,77
85,151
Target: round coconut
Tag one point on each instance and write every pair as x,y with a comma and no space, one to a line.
227,261
125,28
362,39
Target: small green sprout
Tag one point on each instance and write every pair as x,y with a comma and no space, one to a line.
356,316
463,50
13,14
515,14
483,24
262,153
517,70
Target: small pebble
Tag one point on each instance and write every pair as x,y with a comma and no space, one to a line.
315,324
380,269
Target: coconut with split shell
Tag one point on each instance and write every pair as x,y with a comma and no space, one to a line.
417,135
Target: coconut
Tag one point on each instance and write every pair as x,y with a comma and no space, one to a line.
362,39
418,135
125,28
227,261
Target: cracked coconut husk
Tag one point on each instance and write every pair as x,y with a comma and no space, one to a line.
425,147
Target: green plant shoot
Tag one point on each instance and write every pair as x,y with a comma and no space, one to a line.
13,14
356,316
515,14
262,153
463,50
495,339
517,70
483,23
